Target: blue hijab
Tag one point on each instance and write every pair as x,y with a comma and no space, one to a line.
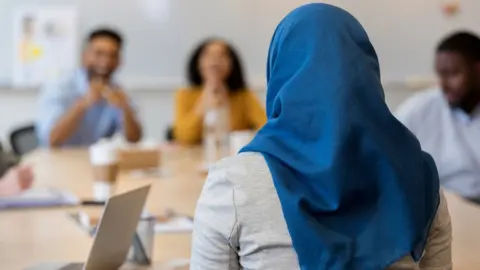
356,190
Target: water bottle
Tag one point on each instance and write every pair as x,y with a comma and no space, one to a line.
216,129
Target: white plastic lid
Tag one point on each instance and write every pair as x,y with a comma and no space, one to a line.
104,152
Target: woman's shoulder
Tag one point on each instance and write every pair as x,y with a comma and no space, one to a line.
245,162
242,172
248,175
243,169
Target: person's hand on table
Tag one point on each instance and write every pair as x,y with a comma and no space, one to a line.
16,180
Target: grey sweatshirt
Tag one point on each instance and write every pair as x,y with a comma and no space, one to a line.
239,224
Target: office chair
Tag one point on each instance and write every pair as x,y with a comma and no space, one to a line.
169,134
23,140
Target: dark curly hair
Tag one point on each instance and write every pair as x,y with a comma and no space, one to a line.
236,79
465,43
106,33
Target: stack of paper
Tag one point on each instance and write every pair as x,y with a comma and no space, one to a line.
39,197
176,224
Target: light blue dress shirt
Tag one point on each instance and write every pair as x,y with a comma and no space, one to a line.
102,120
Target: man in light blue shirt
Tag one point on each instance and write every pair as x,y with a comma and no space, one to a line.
87,105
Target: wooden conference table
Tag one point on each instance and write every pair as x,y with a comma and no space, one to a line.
29,237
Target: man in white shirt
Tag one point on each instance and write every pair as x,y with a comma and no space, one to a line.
447,121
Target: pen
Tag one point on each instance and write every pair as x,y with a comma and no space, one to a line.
93,203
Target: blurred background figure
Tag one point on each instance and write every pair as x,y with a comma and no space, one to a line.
14,179
215,74
447,120
89,104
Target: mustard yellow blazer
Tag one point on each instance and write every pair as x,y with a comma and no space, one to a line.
246,112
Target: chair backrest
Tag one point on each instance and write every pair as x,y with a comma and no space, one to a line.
169,137
23,140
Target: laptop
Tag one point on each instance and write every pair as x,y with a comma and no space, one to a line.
114,236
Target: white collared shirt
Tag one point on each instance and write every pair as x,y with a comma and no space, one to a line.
465,118
451,136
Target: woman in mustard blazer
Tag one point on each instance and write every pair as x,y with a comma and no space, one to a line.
216,79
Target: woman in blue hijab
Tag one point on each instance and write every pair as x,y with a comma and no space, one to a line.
333,180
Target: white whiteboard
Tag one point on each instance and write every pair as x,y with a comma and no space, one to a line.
161,33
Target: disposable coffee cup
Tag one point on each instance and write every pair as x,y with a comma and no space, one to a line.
239,139
104,162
